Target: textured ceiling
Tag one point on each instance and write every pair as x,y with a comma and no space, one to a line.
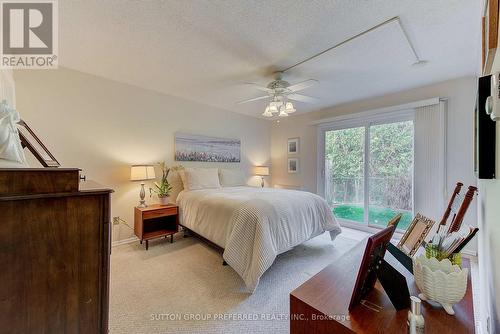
204,50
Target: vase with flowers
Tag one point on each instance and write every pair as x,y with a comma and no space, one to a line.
162,189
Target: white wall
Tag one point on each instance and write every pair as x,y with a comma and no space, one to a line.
488,252
103,127
489,241
461,101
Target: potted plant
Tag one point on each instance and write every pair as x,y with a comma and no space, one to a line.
162,188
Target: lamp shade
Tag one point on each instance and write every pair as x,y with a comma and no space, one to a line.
262,170
142,173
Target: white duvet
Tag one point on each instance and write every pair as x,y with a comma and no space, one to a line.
254,225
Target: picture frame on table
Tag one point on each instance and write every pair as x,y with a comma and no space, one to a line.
395,220
35,145
293,145
293,165
415,234
373,256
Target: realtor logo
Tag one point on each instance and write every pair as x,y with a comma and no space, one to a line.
29,34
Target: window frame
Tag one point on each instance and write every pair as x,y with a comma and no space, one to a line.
365,121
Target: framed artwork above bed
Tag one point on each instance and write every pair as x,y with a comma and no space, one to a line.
190,147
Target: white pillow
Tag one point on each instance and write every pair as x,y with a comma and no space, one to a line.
182,174
200,178
174,178
232,178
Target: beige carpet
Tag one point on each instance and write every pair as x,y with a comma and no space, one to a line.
182,287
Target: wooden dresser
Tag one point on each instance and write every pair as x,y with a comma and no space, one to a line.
54,252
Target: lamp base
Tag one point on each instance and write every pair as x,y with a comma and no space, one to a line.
262,182
142,194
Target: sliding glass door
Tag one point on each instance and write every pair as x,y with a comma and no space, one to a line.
344,172
367,171
391,173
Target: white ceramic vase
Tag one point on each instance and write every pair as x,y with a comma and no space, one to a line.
164,200
440,281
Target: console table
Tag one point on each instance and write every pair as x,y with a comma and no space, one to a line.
320,305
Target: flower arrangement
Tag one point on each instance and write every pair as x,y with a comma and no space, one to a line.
162,188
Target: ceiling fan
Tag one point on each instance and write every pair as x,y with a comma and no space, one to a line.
280,92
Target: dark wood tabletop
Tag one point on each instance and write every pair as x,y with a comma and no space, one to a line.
328,294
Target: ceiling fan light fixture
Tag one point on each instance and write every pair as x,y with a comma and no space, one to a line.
267,113
273,107
283,113
289,108
280,94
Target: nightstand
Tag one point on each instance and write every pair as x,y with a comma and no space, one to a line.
156,221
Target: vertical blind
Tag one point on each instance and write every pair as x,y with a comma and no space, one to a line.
430,160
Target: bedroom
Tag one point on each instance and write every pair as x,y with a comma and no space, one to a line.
383,97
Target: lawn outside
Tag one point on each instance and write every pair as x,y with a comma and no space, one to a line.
377,215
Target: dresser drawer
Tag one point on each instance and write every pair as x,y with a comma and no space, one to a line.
159,213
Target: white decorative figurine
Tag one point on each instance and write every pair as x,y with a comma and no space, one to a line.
10,143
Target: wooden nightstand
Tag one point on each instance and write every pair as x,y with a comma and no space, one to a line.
156,221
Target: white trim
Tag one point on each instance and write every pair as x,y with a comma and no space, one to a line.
444,104
369,119
320,164
288,186
406,106
474,278
366,175
469,252
398,234
124,241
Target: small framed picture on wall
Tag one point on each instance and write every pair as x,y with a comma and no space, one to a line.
293,146
293,165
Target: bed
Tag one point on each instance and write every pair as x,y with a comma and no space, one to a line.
253,225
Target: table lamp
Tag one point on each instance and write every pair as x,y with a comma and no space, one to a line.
142,173
262,171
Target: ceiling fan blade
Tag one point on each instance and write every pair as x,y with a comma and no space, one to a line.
259,87
303,98
302,85
254,99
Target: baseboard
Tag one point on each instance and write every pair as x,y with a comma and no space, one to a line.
124,241
469,252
